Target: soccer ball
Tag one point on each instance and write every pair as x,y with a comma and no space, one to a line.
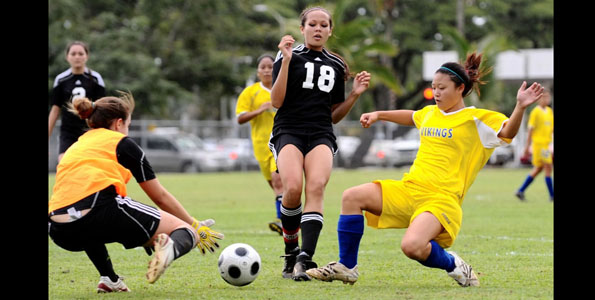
239,264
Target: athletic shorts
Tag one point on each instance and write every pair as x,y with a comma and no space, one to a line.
541,154
112,219
67,139
403,201
305,143
267,167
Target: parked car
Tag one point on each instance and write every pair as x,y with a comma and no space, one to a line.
180,152
393,153
240,151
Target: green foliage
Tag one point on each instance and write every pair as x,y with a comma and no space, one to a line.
183,56
509,244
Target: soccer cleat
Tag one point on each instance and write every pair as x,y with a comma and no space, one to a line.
520,195
289,262
463,273
335,271
276,227
107,286
302,264
164,255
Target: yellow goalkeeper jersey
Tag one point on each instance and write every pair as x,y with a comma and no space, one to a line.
454,147
261,126
542,122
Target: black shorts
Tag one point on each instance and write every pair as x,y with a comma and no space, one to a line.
112,219
67,139
305,143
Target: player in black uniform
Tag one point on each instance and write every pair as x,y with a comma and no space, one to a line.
76,82
309,92
89,206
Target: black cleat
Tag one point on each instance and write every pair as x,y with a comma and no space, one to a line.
289,264
276,227
520,195
302,264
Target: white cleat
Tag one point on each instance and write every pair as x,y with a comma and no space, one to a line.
164,255
335,271
107,286
463,273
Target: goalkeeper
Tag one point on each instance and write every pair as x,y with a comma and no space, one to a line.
89,207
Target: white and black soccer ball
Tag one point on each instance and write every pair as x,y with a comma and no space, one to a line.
239,264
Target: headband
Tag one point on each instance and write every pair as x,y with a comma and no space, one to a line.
461,78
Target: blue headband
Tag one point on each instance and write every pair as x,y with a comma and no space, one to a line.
463,80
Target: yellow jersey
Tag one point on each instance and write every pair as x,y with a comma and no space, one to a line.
541,120
88,166
454,147
251,98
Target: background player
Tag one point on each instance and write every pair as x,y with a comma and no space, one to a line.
309,92
456,142
77,82
89,208
254,105
539,138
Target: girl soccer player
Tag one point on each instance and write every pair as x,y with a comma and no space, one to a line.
456,142
254,106
77,82
309,92
539,138
89,207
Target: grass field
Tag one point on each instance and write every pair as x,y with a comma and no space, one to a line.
508,243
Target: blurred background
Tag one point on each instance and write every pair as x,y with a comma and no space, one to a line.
186,62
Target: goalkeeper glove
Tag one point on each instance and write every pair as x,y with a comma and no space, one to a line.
206,235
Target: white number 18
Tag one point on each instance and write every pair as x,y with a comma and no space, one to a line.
326,80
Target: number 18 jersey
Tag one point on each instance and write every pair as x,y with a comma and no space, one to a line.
315,82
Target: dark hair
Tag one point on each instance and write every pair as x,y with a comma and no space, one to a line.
77,43
303,15
101,113
261,57
470,74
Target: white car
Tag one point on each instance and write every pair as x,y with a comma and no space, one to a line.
180,152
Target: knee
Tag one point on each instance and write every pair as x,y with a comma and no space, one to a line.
350,198
292,193
413,249
315,186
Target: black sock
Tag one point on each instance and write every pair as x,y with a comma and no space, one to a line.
100,258
290,221
184,241
311,226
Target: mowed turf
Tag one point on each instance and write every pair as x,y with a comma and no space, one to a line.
508,243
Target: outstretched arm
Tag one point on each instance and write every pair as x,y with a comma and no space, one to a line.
401,116
525,97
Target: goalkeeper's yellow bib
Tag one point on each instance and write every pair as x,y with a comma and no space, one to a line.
89,166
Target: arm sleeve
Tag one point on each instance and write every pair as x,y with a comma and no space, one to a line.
244,104
133,158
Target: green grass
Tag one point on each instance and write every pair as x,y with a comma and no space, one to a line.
509,244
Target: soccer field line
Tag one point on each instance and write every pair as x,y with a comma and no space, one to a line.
505,238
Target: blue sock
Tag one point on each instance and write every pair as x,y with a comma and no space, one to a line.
550,186
350,231
439,258
527,182
278,205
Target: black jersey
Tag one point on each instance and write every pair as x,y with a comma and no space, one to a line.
69,86
132,157
315,82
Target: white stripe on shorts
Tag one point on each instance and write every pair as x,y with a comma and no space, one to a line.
139,206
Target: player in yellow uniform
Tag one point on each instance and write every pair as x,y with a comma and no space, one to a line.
456,142
539,137
254,106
